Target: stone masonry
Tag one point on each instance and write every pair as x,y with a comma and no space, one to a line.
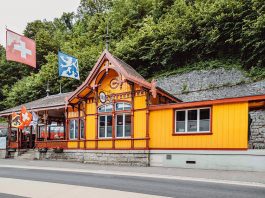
257,129
103,157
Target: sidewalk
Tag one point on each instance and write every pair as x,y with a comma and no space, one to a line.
240,176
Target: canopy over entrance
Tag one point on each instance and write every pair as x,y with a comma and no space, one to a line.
51,123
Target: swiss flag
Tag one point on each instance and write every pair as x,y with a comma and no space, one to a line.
20,49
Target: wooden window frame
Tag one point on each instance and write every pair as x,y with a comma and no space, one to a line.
175,133
105,126
82,119
123,126
122,102
77,120
114,114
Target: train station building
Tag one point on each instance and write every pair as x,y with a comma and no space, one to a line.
117,117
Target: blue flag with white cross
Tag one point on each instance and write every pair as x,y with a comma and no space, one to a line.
68,66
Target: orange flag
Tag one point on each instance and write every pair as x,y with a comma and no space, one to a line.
25,116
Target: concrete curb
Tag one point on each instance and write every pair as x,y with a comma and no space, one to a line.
144,175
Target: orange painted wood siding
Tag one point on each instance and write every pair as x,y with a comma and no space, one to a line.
229,129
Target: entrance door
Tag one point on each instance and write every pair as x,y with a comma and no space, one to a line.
27,138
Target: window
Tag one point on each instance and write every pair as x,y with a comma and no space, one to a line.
105,126
192,120
123,121
105,108
82,129
3,132
56,132
73,129
123,125
123,106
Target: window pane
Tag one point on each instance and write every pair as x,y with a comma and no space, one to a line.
127,125
76,128
119,106
101,126
180,126
3,132
119,120
119,131
119,124
127,106
102,131
204,114
102,121
109,126
181,115
180,121
101,109
192,120
72,129
204,119
82,129
109,108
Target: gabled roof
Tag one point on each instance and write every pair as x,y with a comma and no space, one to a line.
48,102
126,70
129,69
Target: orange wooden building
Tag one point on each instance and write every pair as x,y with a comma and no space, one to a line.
117,117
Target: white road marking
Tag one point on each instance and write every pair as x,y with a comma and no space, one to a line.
134,174
28,188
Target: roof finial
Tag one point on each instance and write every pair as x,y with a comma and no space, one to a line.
60,87
107,36
48,90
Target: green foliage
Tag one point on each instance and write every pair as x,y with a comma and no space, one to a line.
156,37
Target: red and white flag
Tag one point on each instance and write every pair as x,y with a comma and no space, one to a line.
20,49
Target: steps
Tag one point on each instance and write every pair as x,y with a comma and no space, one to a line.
27,155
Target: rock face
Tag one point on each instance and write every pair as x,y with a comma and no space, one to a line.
257,129
212,84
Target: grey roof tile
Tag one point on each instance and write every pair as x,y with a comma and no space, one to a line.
46,102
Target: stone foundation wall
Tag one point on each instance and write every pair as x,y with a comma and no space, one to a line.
257,129
103,157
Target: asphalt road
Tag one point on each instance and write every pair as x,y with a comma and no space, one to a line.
151,186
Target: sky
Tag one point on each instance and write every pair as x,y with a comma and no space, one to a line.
15,14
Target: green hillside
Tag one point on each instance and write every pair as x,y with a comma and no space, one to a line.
156,37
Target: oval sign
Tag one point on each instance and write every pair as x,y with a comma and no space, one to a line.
102,97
